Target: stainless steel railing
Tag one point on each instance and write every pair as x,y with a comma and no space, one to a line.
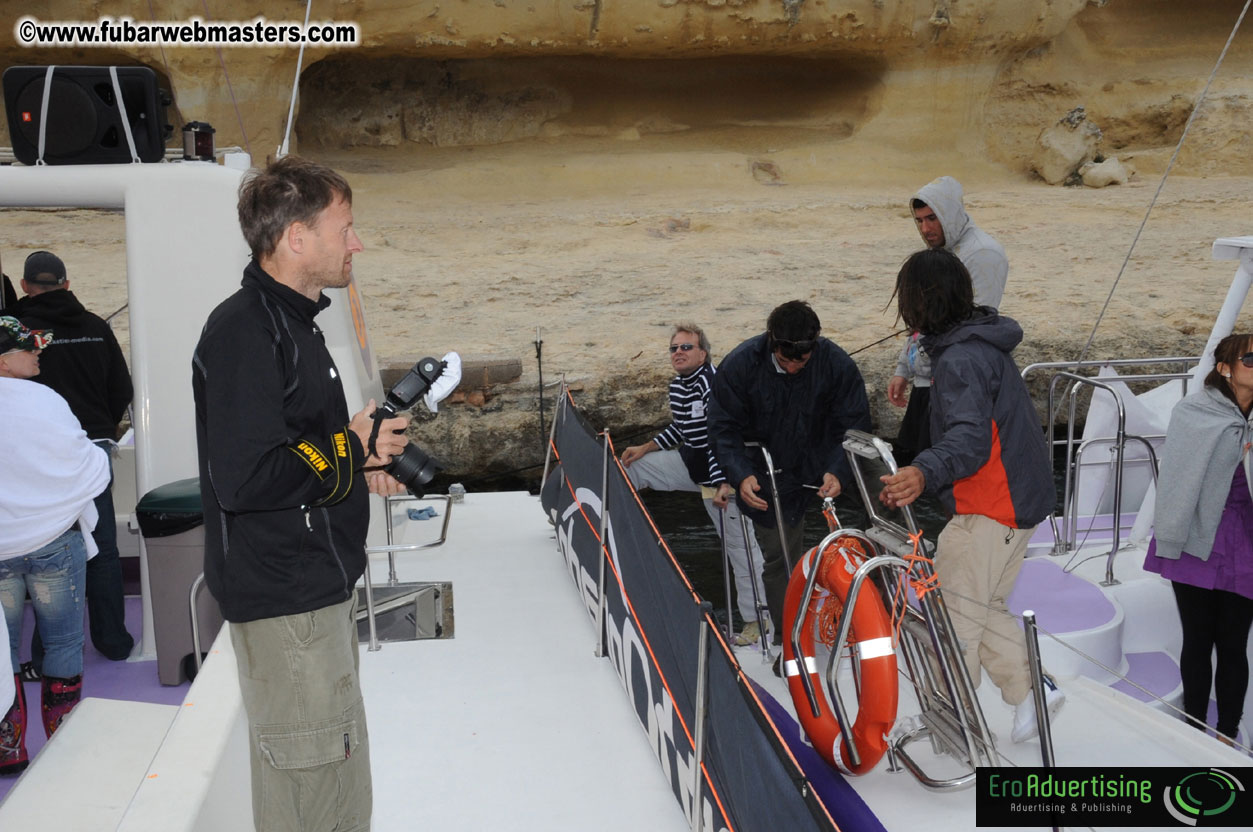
1065,537
371,611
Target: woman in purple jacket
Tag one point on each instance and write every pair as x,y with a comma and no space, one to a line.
1203,531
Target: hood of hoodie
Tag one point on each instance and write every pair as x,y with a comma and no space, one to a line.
944,195
52,308
987,326
1222,408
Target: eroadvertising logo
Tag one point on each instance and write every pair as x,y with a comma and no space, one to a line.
1201,795
1122,797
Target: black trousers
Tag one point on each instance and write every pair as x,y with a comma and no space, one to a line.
914,436
1214,619
774,570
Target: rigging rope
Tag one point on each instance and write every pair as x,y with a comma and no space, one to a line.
230,87
295,87
1191,118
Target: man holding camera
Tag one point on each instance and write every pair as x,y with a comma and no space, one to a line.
285,476
796,394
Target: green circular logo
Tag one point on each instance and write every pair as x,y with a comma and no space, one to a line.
1202,794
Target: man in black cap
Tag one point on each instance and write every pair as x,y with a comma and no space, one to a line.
795,393
87,368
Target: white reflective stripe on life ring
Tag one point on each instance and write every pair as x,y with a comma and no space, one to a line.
792,668
875,648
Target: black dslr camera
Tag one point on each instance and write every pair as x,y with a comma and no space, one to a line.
411,467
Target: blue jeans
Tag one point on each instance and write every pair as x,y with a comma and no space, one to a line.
54,575
106,603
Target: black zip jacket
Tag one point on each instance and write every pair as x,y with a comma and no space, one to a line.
285,503
800,418
8,297
84,363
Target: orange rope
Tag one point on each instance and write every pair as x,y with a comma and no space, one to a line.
921,585
829,608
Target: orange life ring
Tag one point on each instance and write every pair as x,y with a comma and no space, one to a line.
871,638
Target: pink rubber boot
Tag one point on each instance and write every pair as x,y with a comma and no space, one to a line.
13,758
59,696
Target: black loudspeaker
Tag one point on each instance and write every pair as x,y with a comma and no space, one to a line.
85,117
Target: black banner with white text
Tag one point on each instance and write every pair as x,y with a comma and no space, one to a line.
653,618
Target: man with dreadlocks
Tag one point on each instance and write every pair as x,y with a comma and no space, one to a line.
989,465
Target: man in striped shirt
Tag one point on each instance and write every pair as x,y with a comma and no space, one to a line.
681,459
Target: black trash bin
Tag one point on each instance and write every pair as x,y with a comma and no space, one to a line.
171,520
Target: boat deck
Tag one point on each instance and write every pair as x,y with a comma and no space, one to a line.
513,723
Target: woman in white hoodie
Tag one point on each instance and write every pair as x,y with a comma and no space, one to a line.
1203,533
50,473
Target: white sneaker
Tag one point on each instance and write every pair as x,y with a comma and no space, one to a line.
751,633
748,635
1025,727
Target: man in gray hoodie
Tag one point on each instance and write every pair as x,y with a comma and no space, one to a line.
942,223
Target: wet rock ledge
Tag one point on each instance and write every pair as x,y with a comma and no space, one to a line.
488,432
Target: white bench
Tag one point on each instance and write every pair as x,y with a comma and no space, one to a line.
86,775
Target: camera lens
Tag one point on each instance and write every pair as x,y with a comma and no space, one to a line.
413,469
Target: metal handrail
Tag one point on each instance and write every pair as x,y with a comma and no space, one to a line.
552,432
195,618
778,508
1120,442
868,446
1107,362
702,709
1036,667
948,711
798,624
753,575
1064,539
1070,499
846,621
767,653
603,555
391,549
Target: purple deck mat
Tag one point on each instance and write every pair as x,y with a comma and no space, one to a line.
103,679
846,806
1090,531
1156,672
1063,603
1159,673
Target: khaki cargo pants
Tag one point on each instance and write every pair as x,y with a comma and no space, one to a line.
978,560
310,754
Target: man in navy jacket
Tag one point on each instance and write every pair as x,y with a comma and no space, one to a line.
796,394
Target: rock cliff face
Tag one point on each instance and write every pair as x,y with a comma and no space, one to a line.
571,162
980,75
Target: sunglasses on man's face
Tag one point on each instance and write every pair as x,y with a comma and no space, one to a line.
685,347
794,350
